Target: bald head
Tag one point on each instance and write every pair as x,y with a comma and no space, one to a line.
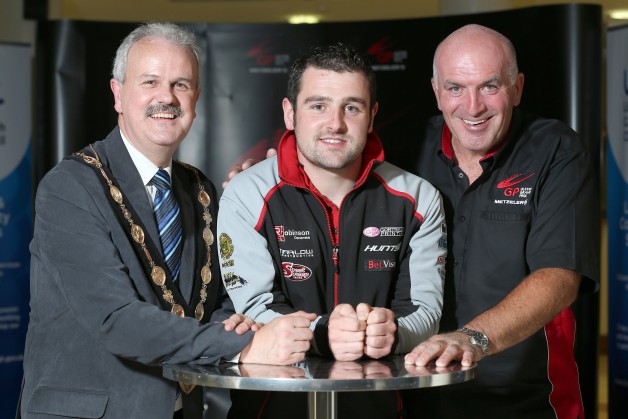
472,38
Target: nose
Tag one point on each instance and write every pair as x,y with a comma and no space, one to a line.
165,94
337,122
475,103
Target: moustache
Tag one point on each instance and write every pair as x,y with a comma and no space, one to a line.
160,108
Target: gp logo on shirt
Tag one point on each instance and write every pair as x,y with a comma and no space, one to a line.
513,190
295,271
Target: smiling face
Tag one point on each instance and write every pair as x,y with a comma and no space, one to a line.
156,103
475,89
331,119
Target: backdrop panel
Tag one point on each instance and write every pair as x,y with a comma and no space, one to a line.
617,212
15,217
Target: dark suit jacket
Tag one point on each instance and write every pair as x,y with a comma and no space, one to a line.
97,336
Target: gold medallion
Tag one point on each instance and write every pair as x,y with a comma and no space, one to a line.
208,236
158,275
208,218
116,194
178,310
137,233
187,388
168,296
200,310
206,275
203,198
89,159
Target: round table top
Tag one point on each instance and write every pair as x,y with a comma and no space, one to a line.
320,374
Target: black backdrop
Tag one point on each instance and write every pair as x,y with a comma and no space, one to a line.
244,76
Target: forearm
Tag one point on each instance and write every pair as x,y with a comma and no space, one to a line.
527,308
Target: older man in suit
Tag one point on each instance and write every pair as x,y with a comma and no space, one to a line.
124,273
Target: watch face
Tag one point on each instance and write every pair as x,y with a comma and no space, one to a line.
477,338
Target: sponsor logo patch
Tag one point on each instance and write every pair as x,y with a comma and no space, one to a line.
380,264
391,231
295,271
371,231
513,191
383,248
226,246
302,253
233,281
383,231
281,234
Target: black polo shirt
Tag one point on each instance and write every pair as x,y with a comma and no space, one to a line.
534,206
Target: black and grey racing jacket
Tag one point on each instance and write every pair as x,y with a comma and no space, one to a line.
278,253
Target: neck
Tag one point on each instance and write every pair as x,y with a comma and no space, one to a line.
334,184
468,162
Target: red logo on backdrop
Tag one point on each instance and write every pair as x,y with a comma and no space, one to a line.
387,58
262,54
267,59
382,50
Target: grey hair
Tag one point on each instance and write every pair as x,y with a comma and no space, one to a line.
512,71
161,30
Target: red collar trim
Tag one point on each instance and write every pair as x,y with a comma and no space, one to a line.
290,170
448,149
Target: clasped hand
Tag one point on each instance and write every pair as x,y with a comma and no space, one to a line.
364,330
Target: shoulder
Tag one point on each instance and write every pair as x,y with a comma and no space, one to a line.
401,181
547,133
257,180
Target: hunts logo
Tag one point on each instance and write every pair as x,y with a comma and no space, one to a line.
281,234
512,188
296,272
383,231
380,265
383,248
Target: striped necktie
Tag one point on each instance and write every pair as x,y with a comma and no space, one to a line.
166,211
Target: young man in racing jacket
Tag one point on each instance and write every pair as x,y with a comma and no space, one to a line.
328,227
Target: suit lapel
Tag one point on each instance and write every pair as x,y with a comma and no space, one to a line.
116,156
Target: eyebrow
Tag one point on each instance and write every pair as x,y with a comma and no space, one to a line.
493,80
155,76
350,99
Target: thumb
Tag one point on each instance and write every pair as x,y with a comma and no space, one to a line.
363,311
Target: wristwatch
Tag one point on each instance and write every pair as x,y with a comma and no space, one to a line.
476,338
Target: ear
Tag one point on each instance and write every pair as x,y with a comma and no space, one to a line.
197,94
518,89
115,88
288,113
435,90
373,113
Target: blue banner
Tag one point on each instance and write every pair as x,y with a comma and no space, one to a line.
15,217
617,215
